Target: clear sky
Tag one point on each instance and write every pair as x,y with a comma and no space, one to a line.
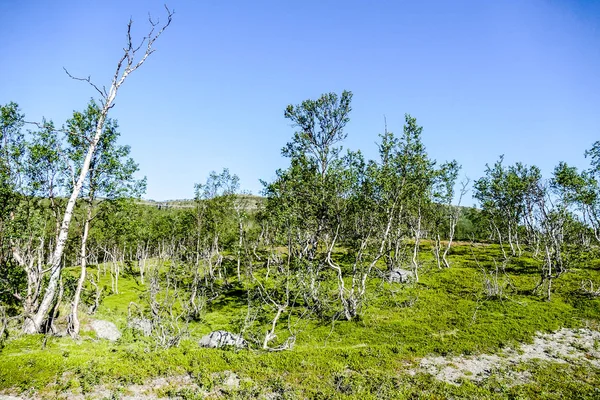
484,78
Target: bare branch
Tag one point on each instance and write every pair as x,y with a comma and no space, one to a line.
126,65
88,80
41,125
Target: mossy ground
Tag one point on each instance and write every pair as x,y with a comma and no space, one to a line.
446,313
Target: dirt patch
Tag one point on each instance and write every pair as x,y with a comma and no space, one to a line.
563,346
157,387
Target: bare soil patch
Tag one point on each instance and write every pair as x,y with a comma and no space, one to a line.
563,346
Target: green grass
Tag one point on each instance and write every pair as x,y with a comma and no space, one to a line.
445,314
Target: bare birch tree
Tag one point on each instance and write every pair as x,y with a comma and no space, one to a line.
132,58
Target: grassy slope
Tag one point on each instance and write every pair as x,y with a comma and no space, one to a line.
445,314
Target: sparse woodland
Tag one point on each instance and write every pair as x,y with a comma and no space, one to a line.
340,274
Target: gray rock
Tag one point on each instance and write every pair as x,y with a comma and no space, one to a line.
219,339
105,330
399,275
142,325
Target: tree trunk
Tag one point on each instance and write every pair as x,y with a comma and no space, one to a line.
142,256
239,258
453,222
436,250
270,335
415,256
500,241
73,327
511,240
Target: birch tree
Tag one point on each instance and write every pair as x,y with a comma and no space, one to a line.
110,176
502,194
582,189
302,199
409,175
443,215
214,207
133,57
22,219
418,170
551,221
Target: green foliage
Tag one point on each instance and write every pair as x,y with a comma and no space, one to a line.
503,194
321,124
444,314
215,206
582,189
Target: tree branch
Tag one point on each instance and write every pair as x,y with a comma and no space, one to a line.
89,81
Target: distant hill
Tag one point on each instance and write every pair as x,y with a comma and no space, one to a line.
248,201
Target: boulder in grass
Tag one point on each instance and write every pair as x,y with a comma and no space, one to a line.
142,325
399,275
105,330
218,339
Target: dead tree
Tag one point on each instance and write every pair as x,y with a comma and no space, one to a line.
132,58
31,259
281,300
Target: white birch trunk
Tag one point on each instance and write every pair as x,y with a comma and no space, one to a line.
73,328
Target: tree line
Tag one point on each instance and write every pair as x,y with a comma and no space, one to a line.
328,224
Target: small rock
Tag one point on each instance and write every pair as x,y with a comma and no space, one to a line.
105,330
219,339
399,275
142,325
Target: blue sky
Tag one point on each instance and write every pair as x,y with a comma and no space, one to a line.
484,78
